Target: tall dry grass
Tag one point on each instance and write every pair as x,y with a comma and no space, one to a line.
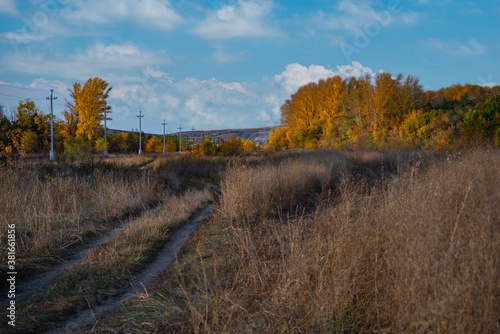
54,205
250,192
417,252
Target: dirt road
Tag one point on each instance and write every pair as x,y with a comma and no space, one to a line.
141,281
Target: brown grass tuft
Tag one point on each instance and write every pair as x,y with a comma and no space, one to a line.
421,254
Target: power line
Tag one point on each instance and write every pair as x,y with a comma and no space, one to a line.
19,97
25,88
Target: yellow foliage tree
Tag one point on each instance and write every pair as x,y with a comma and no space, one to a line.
83,117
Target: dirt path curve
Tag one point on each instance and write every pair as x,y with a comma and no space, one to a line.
142,280
38,282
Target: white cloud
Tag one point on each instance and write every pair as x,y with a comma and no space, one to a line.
354,70
246,19
8,7
456,48
233,86
263,116
157,13
204,104
42,83
208,104
355,16
153,72
23,37
487,82
170,100
275,104
214,104
296,75
106,61
119,92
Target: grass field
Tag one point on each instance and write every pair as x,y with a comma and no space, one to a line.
302,241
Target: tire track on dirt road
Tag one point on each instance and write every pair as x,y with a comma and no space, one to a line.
142,280
40,281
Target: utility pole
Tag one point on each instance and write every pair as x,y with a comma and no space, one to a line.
105,133
52,155
164,123
192,135
180,139
140,131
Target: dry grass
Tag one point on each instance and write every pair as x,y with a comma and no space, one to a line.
109,267
250,192
420,254
336,243
129,160
53,205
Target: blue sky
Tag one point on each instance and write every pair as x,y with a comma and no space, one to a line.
232,63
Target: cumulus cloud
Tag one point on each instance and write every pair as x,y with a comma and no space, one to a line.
204,104
249,18
8,7
456,48
297,75
354,70
214,104
354,16
103,60
156,13
210,104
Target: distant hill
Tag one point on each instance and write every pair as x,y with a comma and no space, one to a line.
259,135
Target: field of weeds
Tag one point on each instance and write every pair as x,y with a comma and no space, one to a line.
62,210
300,241
330,242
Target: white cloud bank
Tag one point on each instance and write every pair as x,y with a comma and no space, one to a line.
156,13
246,19
8,7
116,61
354,16
297,75
204,104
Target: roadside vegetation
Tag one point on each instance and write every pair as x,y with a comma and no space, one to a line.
358,242
57,208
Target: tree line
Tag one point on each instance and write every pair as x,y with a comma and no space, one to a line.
81,130
387,112
381,112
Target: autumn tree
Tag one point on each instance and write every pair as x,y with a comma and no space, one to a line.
70,122
407,99
32,126
84,115
206,146
384,100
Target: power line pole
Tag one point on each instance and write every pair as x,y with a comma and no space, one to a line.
140,131
164,123
105,133
180,139
192,135
52,155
